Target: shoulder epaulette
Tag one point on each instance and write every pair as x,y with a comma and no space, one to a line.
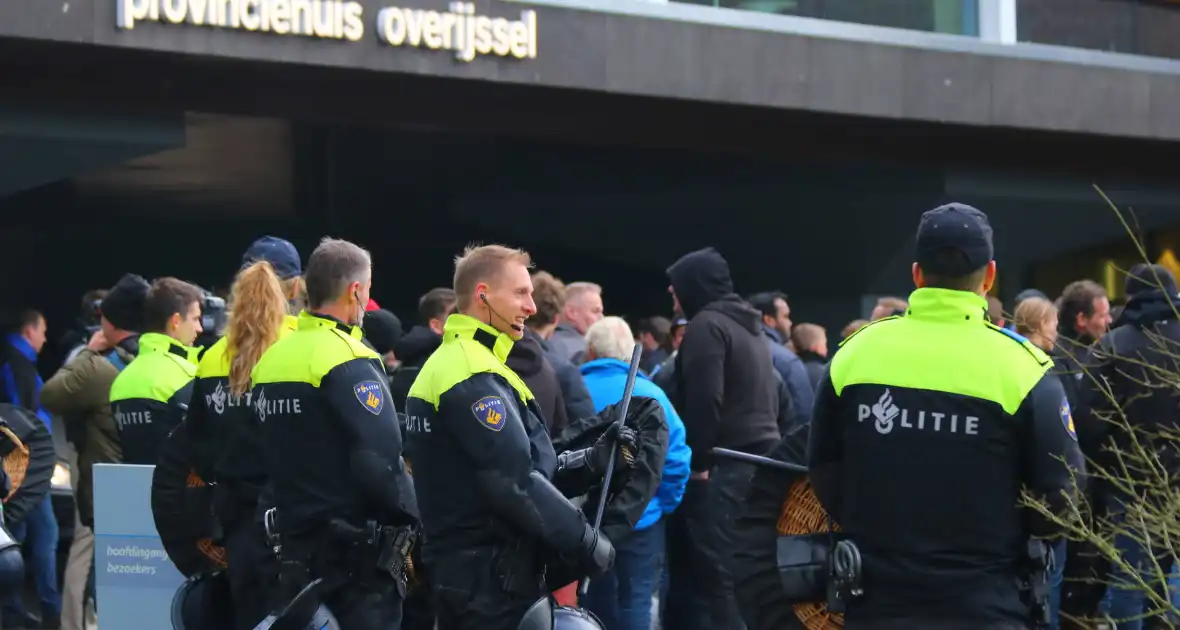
875,321
1028,346
356,346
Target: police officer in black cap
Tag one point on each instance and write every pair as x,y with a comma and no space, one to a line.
926,428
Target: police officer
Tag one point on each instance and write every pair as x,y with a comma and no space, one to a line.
151,396
489,481
926,428
344,502
227,441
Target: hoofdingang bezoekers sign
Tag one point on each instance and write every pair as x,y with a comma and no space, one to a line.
458,30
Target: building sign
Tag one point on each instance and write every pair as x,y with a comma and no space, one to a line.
458,30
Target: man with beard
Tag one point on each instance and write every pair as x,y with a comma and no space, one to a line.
728,395
776,328
1084,316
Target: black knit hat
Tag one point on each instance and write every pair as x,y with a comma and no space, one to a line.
123,304
383,329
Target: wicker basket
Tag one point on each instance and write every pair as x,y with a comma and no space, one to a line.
16,463
802,514
214,552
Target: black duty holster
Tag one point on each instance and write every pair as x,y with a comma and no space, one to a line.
1037,566
519,568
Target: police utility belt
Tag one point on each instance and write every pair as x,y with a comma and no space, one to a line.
827,567
388,545
824,566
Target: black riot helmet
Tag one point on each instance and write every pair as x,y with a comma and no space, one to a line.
203,603
543,615
303,612
566,618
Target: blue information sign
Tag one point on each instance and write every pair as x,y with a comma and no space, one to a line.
134,577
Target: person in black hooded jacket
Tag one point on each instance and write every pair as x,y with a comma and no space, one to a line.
527,359
728,396
1136,360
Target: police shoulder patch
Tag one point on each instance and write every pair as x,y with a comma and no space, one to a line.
1067,420
370,395
490,411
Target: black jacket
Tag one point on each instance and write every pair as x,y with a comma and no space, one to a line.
726,386
1067,356
578,404
527,359
1137,361
412,350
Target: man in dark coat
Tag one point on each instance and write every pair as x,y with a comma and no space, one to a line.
1131,372
728,396
549,296
527,359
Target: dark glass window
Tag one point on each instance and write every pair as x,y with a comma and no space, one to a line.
959,17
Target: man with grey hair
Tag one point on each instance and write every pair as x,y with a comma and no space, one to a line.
622,598
583,307
320,396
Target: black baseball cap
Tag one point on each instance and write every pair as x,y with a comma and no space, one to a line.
954,226
280,253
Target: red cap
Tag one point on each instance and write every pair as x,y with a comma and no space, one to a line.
372,305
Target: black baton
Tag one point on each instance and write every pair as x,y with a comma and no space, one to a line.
610,463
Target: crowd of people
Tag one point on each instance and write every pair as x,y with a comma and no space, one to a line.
726,370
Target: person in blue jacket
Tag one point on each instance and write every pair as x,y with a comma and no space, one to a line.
622,597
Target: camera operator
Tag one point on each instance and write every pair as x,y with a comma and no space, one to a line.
85,326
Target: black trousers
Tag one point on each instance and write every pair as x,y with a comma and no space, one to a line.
418,610
374,603
699,545
359,595
484,589
252,571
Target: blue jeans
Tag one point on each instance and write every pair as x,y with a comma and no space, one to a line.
1055,580
1122,604
40,552
621,598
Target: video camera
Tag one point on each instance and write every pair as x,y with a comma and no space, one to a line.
91,318
214,314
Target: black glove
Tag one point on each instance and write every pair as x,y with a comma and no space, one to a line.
627,441
598,555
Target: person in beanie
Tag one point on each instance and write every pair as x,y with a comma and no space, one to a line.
383,330
80,393
1136,361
